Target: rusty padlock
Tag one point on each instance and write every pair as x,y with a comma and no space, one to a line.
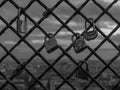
90,35
50,43
80,73
79,43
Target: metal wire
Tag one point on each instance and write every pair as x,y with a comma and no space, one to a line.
49,11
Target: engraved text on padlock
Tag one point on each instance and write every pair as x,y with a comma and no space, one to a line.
79,44
51,44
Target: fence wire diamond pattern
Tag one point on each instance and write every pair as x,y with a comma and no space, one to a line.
65,80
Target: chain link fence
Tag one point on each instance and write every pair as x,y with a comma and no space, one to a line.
65,78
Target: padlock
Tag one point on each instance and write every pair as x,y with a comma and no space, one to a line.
80,73
19,69
51,44
79,43
25,25
90,35
48,85
47,13
19,22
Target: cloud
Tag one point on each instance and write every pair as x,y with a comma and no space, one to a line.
56,22
37,35
91,10
1,23
64,42
106,30
9,42
116,38
21,2
59,41
64,12
110,1
61,33
37,41
107,24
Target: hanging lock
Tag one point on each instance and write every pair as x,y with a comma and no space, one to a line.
51,44
47,13
20,23
25,25
90,35
19,69
80,73
79,43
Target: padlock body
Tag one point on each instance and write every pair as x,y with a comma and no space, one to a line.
79,45
81,74
91,35
51,45
25,27
19,24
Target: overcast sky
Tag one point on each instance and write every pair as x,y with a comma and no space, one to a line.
106,24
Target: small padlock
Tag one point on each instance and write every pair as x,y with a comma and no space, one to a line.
51,44
80,73
19,22
90,35
25,25
47,13
19,69
79,43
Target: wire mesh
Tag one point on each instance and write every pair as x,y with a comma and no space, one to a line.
44,81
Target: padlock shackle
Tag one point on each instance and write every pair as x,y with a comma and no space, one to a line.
19,21
77,35
50,36
25,25
19,11
83,62
93,24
